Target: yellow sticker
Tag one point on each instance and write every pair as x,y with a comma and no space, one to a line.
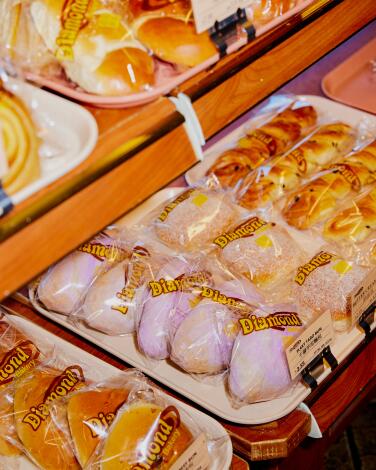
342,267
109,20
199,200
264,241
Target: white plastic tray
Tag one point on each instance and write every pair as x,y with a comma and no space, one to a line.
214,430
68,132
212,397
324,106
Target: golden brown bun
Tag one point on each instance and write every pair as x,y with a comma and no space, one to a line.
42,439
233,165
285,172
89,414
355,223
8,433
135,429
172,8
176,41
317,200
20,143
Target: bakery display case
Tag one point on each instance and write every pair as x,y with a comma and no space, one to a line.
112,227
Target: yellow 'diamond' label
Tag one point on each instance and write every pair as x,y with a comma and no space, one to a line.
342,267
199,200
264,241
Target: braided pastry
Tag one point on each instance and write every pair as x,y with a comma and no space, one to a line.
317,200
273,138
327,143
354,223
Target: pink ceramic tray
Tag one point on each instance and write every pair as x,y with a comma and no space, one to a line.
354,82
166,76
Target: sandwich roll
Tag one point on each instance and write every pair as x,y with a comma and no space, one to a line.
142,434
90,414
286,172
316,201
42,440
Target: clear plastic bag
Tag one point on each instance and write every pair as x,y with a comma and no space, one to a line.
325,283
63,286
317,200
258,368
272,181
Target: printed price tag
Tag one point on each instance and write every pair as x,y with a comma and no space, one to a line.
363,296
196,457
207,12
310,344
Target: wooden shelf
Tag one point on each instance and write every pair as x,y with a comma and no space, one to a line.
140,150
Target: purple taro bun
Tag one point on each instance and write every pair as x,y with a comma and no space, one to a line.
194,218
203,342
258,368
162,312
62,287
108,306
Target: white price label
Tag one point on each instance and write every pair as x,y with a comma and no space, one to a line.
207,12
363,296
196,457
310,344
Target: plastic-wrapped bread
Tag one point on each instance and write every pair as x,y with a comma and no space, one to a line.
258,368
167,300
194,218
264,252
355,223
63,285
111,303
285,173
271,139
42,440
266,10
318,199
167,29
325,283
203,342
94,44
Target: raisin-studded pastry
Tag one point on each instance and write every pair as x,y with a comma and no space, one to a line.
356,222
95,45
264,252
324,283
284,173
271,139
167,29
317,200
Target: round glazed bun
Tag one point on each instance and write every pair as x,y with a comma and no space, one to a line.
176,41
100,309
102,60
89,414
41,438
130,438
196,220
264,257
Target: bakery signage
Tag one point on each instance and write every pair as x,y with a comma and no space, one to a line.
17,361
208,12
318,336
